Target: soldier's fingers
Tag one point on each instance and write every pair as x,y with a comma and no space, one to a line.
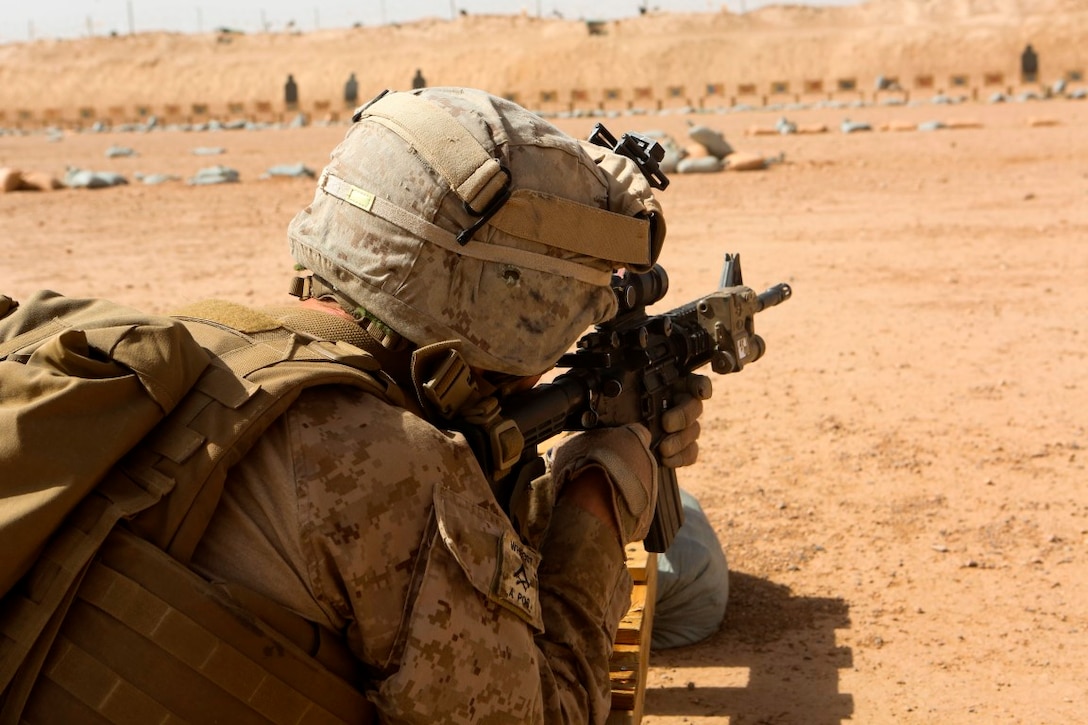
700,386
685,411
672,445
686,457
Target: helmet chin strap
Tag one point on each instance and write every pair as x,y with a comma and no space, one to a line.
446,387
451,388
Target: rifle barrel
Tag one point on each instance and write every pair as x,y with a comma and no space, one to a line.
774,296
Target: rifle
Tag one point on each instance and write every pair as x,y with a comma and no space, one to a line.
627,369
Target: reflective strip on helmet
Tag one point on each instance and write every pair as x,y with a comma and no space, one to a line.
366,201
473,173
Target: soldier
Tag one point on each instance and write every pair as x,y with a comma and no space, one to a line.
1029,65
290,93
418,81
360,524
374,523
351,91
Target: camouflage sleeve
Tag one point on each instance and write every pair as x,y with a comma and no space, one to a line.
585,589
457,618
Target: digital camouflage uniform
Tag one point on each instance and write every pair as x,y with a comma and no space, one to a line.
447,215
368,520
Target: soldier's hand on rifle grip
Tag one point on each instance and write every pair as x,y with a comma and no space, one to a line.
680,446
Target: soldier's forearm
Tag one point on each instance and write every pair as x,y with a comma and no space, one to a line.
592,492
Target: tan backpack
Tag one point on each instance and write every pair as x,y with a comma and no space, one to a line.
110,414
81,382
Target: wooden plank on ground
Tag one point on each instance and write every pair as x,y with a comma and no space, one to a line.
631,652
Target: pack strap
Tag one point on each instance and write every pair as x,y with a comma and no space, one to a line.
34,610
31,337
228,409
147,640
268,338
320,643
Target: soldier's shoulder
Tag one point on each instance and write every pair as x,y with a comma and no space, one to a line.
362,417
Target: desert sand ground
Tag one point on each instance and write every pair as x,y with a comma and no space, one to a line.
898,484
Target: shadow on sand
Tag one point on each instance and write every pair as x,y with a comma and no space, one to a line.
787,647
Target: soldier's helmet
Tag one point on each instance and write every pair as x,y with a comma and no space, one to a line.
449,213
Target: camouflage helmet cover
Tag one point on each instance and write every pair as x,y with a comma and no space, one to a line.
450,213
